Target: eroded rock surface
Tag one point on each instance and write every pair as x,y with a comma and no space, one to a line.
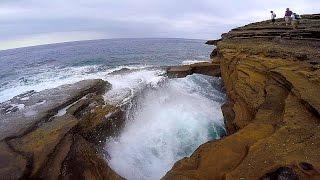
21,113
272,78
58,133
205,68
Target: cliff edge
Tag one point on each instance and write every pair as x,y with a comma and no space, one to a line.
272,78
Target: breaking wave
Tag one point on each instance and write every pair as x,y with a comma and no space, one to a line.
166,123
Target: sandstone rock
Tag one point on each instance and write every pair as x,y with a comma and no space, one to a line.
205,68
36,107
102,122
213,42
214,159
179,71
60,116
41,142
214,53
272,80
83,162
229,116
281,173
53,167
12,164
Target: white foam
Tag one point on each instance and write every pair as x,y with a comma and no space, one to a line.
188,62
54,77
125,86
25,98
63,111
167,124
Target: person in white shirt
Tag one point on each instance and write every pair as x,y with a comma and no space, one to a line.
273,17
295,20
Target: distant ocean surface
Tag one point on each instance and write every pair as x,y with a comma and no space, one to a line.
47,66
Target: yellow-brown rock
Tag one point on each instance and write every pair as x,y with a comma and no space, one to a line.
83,162
205,68
12,165
272,77
40,143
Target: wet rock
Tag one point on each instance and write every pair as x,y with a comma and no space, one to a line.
210,69
229,152
309,169
101,123
41,142
179,71
283,173
228,114
121,71
84,106
206,68
53,167
213,42
213,54
12,164
84,162
42,105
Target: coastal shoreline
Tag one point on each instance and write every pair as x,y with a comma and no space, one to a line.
271,75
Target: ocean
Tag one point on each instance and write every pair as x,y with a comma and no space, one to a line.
168,119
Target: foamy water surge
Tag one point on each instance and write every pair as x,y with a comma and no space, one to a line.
165,123
167,119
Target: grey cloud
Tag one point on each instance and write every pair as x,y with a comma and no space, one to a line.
141,18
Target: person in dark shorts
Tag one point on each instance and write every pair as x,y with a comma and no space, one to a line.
273,17
287,16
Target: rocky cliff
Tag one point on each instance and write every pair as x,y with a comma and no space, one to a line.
272,78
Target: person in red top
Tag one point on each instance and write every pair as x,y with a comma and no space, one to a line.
287,16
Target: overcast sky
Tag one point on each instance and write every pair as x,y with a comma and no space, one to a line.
33,22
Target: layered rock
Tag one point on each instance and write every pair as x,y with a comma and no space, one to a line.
205,68
58,133
272,78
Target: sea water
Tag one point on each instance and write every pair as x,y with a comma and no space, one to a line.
166,119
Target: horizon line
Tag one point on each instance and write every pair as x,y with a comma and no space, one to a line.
66,42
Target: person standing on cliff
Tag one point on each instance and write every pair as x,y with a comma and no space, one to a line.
287,16
273,17
295,20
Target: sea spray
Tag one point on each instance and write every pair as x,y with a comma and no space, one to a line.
165,124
